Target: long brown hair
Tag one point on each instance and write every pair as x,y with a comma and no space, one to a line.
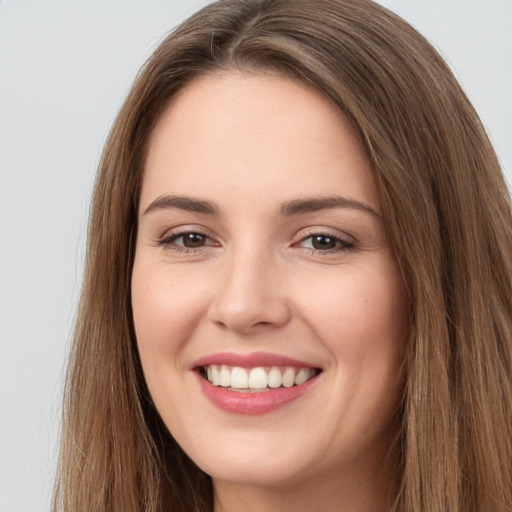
448,219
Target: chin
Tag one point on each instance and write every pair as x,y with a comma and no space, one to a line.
272,472
252,457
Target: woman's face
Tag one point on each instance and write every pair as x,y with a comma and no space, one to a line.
262,265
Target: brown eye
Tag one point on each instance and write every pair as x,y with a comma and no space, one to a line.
193,240
186,240
323,242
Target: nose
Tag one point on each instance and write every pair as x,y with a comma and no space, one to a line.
250,295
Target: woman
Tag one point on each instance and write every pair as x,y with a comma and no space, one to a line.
298,289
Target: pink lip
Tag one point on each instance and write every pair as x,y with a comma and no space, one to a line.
250,360
252,403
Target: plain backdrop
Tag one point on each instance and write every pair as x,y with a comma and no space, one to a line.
65,67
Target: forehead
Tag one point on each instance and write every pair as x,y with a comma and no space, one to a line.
243,131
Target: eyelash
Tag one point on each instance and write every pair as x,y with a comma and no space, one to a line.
341,245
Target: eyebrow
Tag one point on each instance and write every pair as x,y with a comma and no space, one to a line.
308,205
294,207
188,204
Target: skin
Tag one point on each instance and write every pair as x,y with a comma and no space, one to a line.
256,282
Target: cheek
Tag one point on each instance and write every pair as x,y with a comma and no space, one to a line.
361,308
166,308
363,323
361,318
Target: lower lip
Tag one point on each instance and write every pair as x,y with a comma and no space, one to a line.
252,403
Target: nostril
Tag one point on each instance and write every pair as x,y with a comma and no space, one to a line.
246,301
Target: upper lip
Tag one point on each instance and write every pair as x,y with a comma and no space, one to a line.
250,360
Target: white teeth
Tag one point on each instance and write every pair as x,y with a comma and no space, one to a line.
215,375
239,378
274,378
225,376
288,377
258,378
236,377
302,376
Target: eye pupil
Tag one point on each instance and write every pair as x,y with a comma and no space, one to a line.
192,240
323,242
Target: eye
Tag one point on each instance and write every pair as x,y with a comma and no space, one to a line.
192,240
186,240
325,243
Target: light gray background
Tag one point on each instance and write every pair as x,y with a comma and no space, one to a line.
65,67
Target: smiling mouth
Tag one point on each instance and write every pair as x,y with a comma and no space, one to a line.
257,379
